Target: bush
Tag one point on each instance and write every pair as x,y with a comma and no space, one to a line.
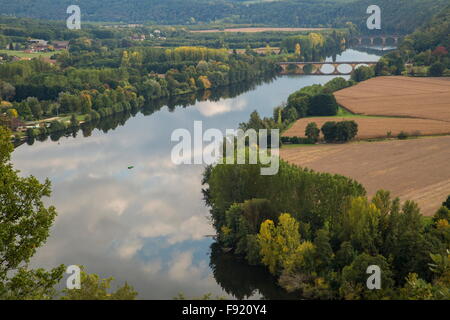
339,131
323,105
363,73
436,70
402,135
447,203
312,132
329,131
296,140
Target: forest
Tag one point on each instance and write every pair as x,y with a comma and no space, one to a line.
424,52
400,16
317,233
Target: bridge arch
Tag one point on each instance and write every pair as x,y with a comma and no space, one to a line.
316,68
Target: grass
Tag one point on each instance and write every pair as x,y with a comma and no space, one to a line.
22,54
344,113
79,117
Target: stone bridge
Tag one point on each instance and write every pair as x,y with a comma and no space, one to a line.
316,67
360,40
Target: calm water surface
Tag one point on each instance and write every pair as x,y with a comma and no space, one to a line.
147,225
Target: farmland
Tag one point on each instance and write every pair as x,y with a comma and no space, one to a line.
377,127
415,169
425,98
386,106
22,54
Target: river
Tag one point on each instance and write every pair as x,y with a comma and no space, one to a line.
147,225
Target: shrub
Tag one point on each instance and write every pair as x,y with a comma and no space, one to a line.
402,135
339,131
447,203
436,70
329,131
312,132
323,105
363,73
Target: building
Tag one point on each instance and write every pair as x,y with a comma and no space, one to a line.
61,45
138,37
38,42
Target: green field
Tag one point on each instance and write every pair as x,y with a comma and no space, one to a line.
22,54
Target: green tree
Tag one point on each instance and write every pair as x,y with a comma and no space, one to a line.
446,203
323,105
95,288
312,132
24,226
437,69
354,278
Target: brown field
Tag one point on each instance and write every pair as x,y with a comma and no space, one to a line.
377,127
425,98
416,169
253,30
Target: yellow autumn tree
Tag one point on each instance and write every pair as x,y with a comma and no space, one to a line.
298,49
280,246
204,82
125,59
12,113
317,40
268,247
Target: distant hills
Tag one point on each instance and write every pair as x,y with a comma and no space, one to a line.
400,16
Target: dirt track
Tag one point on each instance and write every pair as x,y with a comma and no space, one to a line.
377,127
416,169
426,98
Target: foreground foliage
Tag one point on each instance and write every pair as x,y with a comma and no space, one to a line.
318,233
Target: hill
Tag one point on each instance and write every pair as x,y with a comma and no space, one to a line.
402,16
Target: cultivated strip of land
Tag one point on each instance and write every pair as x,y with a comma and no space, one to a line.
377,127
425,98
416,169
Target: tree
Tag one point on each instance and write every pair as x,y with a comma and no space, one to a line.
312,132
301,102
437,69
281,248
323,105
12,113
324,252
363,73
339,131
95,288
354,278
446,203
440,52
298,49
74,123
24,226
329,131
279,243
7,91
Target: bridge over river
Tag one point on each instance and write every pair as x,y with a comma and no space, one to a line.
316,68
383,40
